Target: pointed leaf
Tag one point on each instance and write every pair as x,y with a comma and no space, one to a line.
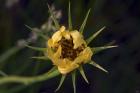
99,49
61,82
38,32
84,22
41,58
54,18
52,69
83,73
69,17
74,80
94,35
36,48
98,66
110,43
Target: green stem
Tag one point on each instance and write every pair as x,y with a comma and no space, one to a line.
29,80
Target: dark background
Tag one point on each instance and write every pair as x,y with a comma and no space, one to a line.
122,21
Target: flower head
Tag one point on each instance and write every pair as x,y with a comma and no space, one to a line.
68,50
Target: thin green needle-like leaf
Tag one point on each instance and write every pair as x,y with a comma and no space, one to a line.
98,66
110,43
74,80
38,32
84,22
61,82
99,49
94,35
83,74
53,18
41,58
52,69
69,17
36,48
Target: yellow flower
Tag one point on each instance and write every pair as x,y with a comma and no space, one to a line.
68,50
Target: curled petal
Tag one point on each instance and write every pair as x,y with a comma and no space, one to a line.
77,39
62,29
56,57
66,34
50,43
87,54
49,53
56,36
58,52
84,56
67,66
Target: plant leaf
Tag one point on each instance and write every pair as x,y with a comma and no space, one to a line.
94,35
54,18
41,58
83,73
74,80
52,69
99,49
69,17
98,66
84,22
61,82
38,32
36,48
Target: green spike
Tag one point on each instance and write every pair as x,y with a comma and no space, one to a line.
36,48
53,18
84,22
110,43
98,66
52,69
95,35
69,17
61,82
38,32
41,58
99,49
83,73
74,80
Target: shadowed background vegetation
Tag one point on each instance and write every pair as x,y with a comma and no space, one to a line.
122,21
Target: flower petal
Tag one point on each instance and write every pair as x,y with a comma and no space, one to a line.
50,43
58,52
67,66
49,53
66,34
56,37
62,29
84,56
87,54
77,39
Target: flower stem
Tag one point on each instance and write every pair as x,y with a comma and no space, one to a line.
29,80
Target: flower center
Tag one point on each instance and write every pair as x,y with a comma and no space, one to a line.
67,49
